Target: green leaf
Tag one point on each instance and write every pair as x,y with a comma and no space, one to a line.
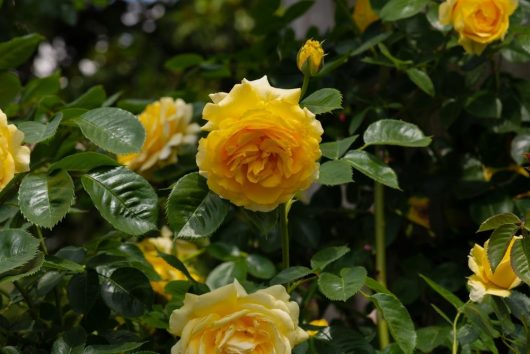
112,348
134,105
395,132
519,261
127,291
57,263
44,200
91,99
335,150
399,322
180,62
372,167
479,319
497,220
498,243
335,172
422,80
112,129
324,257
341,288
520,145
260,267
38,88
83,291
443,292
291,274
432,337
225,273
18,50
376,286
29,268
192,210
35,132
123,198
177,264
484,105
323,101
9,88
83,162
399,9
17,247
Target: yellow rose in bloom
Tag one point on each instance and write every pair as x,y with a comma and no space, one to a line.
317,323
484,281
150,248
364,15
478,22
262,147
310,57
14,157
230,321
167,127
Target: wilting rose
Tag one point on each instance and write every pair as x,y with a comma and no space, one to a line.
14,157
230,321
262,147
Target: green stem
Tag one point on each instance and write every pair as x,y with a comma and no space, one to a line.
27,299
284,231
304,85
41,239
380,256
455,339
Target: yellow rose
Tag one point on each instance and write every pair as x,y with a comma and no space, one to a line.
14,157
230,321
478,22
484,281
310,57
167,127
262,147
364,15
317,323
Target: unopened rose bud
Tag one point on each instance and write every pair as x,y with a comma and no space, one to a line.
310,57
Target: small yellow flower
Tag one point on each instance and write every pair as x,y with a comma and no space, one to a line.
364,15
419,211
230,321
478,22
310,57
317,323
14,157
262,147
168,126
484,281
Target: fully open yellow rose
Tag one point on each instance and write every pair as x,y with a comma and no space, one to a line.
168,126
262,147
363,14
484,281
14,157
478,22
230,321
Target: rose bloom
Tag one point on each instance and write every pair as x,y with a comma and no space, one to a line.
364,15
478,22
310,57
230,321
484,281
14,157
262,147
183,251
168,126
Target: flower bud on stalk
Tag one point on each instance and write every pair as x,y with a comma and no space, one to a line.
310,57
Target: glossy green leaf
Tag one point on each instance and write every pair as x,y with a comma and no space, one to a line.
225,273
376,286
18,50
192,210
399,321
335,172
83,291
17,247
432,337
324,257
395,132
45,199
498,243
35,132
177,264
9,87
83,162
291,274
372,167
260,267
519,261
123,198
342,287
112,129
127,291
323,101
112,348
421,79
38,88
335,150
498,220
443,292
57,263
400,9
91,99
29,268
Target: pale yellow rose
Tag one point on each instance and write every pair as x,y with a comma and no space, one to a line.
478,22
14,157
364,15
168,126
262,147
484,281
317,323
230,321
150,248
310,57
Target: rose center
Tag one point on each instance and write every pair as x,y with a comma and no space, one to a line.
243,336
487,16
